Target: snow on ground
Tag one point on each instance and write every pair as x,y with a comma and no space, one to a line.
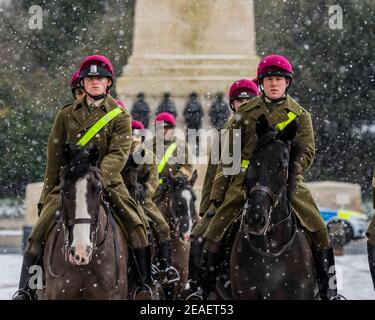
352,272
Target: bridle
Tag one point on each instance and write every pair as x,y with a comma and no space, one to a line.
67,225
275,199
174,216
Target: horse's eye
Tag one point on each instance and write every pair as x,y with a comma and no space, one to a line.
284,171
95,187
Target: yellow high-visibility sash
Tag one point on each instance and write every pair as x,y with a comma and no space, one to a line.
99,125
168,153
282,125
279,127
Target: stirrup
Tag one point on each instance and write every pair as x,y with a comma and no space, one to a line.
195,296
188,284
22,291
339,297
177,273
156,275
147,287
155,271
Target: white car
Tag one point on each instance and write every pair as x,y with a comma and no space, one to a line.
355,223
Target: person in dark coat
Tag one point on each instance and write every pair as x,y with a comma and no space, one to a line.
166,105
219,111
141,110
193,112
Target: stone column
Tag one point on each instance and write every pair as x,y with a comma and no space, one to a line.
182,46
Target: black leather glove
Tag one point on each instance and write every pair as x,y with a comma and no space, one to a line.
40,207
140,192
217,203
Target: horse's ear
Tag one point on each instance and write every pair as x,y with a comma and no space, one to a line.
94,155
171,178
193,178
130,163
289,133
262,126
145,178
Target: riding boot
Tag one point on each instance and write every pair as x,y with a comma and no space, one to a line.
170,273
25,292
206,278
371,260
195,256
144,281
326,274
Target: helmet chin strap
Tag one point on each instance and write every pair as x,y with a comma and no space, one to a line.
234,109
97,97
275,100
101,96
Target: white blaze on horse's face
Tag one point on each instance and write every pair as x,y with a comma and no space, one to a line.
186,195
82,246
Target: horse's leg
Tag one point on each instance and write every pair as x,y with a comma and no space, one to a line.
242,284
180,260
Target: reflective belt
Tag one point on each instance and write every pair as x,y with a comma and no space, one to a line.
279,127
99,125
168,153
282,125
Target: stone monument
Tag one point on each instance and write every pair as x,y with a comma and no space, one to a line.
182,46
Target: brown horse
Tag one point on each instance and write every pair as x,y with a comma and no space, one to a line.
271,257
178,207
86,253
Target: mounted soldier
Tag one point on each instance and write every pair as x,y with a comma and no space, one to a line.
371,237
172,155
274,74
240,93
75,86
147,182
93,119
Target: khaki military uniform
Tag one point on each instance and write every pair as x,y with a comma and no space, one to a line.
178,164
149,177
209,177
206,205
114,142
371,228
228,189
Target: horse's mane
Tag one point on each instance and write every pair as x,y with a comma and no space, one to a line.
78,166
265,139
296,151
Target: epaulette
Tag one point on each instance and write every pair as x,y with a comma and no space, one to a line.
66,105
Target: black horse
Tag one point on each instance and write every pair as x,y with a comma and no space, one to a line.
271,257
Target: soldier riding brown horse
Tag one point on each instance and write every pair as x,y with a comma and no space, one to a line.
86,253
178,207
